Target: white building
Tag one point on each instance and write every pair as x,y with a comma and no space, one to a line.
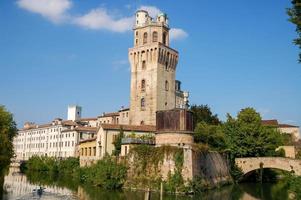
58,138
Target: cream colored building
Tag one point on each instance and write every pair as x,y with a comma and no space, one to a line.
87,152
153,70
107,134
56,139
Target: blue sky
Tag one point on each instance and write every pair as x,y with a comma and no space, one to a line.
233,54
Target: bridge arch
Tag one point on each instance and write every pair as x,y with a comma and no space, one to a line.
287,164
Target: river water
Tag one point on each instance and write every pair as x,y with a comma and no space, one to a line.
19,187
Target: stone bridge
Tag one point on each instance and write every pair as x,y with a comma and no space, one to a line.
287,164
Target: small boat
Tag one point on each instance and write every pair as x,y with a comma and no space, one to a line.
39,190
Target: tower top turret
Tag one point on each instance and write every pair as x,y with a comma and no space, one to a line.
143,19
162,18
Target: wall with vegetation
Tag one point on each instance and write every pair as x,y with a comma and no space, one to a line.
179,169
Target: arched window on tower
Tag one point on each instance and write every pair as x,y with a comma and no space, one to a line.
155,36
143,85
136,40
166,86
166,66
145,38
143,64
142,103
164,38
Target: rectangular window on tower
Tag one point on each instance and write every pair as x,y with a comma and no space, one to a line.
143,64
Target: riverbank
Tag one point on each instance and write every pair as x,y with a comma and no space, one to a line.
111,173
19,185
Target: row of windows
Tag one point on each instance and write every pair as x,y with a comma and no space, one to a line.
51,137
41,131
154,37
61,144
51,144
35,138
62,135
144,65
87,151
127,114
36,145
65,154
143,85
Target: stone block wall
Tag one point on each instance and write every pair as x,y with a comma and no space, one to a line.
212,167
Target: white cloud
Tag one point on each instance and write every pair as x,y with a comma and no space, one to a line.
100,19
177,34
96,19
152,10
54,10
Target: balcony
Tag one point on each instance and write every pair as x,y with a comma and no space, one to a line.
137,141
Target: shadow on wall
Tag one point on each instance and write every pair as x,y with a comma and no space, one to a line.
1,185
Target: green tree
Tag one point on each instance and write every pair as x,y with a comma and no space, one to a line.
202,113
212,135
246,137
7,132
295,17
107,173
117,143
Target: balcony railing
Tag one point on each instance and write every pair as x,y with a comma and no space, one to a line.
137,141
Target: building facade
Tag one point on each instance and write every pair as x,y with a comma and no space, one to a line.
153,70
56,139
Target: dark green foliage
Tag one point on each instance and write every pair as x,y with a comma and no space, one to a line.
7,132
202,113
197,185
295,17
106,173
117,143
174,182
246,137
294,185
236,172
211,135
52,165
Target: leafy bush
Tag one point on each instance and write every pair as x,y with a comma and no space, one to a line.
106,173
117,143
52,165
236,173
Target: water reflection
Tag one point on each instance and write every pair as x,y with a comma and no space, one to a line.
19,186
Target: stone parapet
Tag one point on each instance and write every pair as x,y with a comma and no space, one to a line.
173,139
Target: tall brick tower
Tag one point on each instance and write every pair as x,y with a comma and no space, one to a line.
153,68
